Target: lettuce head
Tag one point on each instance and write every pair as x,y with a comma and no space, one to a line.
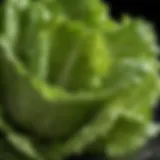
74,80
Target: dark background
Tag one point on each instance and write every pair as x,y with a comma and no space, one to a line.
147,9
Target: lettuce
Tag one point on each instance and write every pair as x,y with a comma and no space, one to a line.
76,78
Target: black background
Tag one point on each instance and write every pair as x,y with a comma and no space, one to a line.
147,9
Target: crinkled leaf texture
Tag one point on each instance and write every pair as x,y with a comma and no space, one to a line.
71,74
